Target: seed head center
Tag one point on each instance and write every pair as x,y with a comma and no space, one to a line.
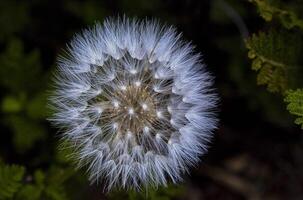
133,108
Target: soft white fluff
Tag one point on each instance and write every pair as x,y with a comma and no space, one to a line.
178,103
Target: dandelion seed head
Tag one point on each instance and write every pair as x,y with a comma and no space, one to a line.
136,101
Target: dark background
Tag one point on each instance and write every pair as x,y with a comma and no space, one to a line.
257,150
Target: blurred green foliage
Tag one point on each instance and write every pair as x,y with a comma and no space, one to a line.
24,82
18,69
24,105
16,183
11,178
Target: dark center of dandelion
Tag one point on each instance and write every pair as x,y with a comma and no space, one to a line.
132,103
133,108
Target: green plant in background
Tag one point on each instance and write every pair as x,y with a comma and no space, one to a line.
16,183
10,180
277,53
289,13
23,83
24,104
294,98
24,112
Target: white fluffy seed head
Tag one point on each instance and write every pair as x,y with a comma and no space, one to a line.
136,102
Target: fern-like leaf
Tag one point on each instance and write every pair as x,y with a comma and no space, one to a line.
287,13
276,56
46,185
10,180
294,98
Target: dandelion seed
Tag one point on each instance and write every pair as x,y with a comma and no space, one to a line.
131,111
136,102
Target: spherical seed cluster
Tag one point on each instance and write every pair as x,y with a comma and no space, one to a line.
135,101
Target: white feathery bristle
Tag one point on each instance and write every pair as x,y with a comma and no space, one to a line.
135,101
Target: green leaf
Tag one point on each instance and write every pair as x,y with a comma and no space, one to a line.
10,180
288,13
294,98
276,56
